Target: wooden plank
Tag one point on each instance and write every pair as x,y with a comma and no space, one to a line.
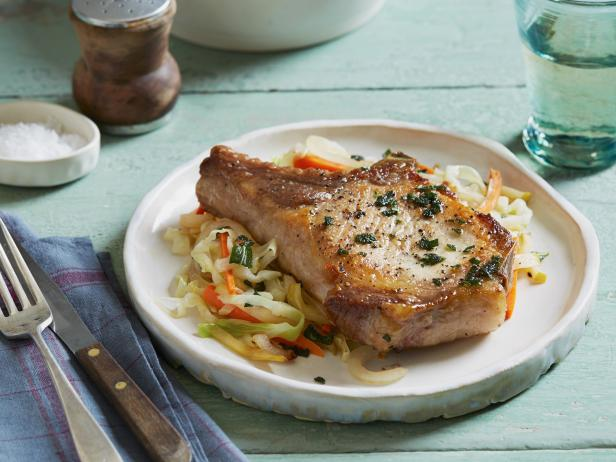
418,44
590,455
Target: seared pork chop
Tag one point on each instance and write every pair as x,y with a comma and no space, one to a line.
396,262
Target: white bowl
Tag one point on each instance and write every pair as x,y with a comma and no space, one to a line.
269,25
53,172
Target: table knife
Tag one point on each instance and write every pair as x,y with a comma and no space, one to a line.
154,431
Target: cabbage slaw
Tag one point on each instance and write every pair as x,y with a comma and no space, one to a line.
262,314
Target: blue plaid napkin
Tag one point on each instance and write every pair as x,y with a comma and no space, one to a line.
32,423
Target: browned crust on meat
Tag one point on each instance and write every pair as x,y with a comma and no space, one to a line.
293,187
387,321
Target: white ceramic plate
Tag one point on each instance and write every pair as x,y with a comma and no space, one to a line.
446,380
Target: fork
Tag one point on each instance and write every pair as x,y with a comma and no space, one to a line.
91,442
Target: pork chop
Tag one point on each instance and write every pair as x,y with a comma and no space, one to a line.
396,262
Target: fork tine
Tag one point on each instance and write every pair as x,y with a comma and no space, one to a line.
6,296
5,265
6,238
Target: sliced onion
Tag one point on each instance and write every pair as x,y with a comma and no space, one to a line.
226,309
262,314
325,149
513,193
526,260
191,220
342,347
180,242
262,341
356,361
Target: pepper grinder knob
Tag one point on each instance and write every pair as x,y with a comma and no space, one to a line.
126,80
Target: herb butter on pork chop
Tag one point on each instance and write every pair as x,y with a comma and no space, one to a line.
396,262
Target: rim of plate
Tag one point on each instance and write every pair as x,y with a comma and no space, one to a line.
577,306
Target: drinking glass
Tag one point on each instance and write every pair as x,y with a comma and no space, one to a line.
570,54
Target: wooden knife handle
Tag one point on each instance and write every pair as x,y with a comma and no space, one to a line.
158,436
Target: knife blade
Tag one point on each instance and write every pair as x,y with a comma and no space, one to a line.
154,431
67,324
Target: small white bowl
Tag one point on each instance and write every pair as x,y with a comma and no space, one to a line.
53,172
269,25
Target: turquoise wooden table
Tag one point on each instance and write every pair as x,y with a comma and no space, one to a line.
451,63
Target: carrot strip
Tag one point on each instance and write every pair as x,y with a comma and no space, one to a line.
495,185
310,161
425,168
224,252
303,343
211,297
511,296
238,313
326,328
199,211
230,282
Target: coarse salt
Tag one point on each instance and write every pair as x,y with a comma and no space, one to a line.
36,141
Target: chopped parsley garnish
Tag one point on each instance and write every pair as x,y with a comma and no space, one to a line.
491,268
541,255
258,287
468,249
312,333
319,379
357,157
477,274
363,254
365,238
427,200
304,352
386,199
475,261
458,221
427,244
390,212
387,337
437,282
388,153
430,259
241,252
388,203
327,221
432,187
359,214
342,251
450,247
457,230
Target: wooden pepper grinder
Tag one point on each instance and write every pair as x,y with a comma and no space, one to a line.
126,80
